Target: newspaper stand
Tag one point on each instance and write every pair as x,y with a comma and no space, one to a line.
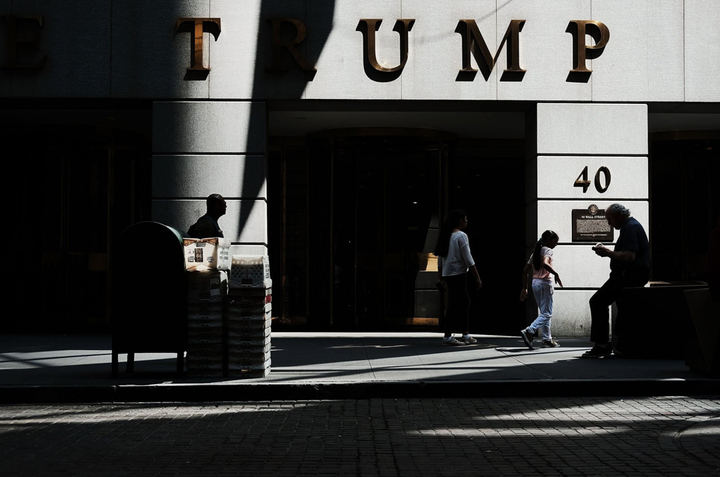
249,317
149,305
229,318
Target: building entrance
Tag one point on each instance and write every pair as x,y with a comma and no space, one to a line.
386,205
358,215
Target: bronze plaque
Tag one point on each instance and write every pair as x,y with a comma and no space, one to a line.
590,225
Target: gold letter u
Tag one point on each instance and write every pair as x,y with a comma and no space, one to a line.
402,27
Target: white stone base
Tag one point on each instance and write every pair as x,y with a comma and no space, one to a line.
571,313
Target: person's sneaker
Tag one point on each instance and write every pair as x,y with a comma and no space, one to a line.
452,342
527,338
550,344
598,351
467,339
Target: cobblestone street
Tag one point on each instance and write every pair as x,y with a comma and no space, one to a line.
376,437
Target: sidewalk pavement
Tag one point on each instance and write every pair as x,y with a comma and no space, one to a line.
76,368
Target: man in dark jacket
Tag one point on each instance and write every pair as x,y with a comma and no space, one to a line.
207,225
629,267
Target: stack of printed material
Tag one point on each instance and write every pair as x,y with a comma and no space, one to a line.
249,316
207,293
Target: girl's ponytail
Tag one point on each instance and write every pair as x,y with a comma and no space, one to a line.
546,237
536,255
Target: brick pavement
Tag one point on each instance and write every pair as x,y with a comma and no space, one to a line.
376,437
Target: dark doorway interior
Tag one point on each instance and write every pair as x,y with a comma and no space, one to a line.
386,205
487,180
74,189
685,205
358,217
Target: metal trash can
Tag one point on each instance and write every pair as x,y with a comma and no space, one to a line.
149,284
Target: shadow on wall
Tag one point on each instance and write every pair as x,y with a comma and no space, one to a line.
285,57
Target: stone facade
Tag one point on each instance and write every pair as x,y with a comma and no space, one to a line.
210,127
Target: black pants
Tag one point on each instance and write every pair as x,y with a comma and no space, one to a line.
608,294
457,316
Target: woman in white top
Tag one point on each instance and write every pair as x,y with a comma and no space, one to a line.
454,262
540,267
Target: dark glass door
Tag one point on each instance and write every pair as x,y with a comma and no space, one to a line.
359,219
385,203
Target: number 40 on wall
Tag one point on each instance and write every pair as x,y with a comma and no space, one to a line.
602,180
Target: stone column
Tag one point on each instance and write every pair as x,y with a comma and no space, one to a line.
206,147
607,144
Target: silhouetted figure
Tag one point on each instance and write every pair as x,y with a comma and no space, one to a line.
455,263
629,267
207,225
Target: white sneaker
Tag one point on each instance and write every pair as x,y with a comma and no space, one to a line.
467,339
452,342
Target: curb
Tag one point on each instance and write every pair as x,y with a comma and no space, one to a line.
373,390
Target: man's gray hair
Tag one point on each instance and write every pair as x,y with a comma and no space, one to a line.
618,209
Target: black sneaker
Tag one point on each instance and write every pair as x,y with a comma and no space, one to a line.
598,351
550,344
527,338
